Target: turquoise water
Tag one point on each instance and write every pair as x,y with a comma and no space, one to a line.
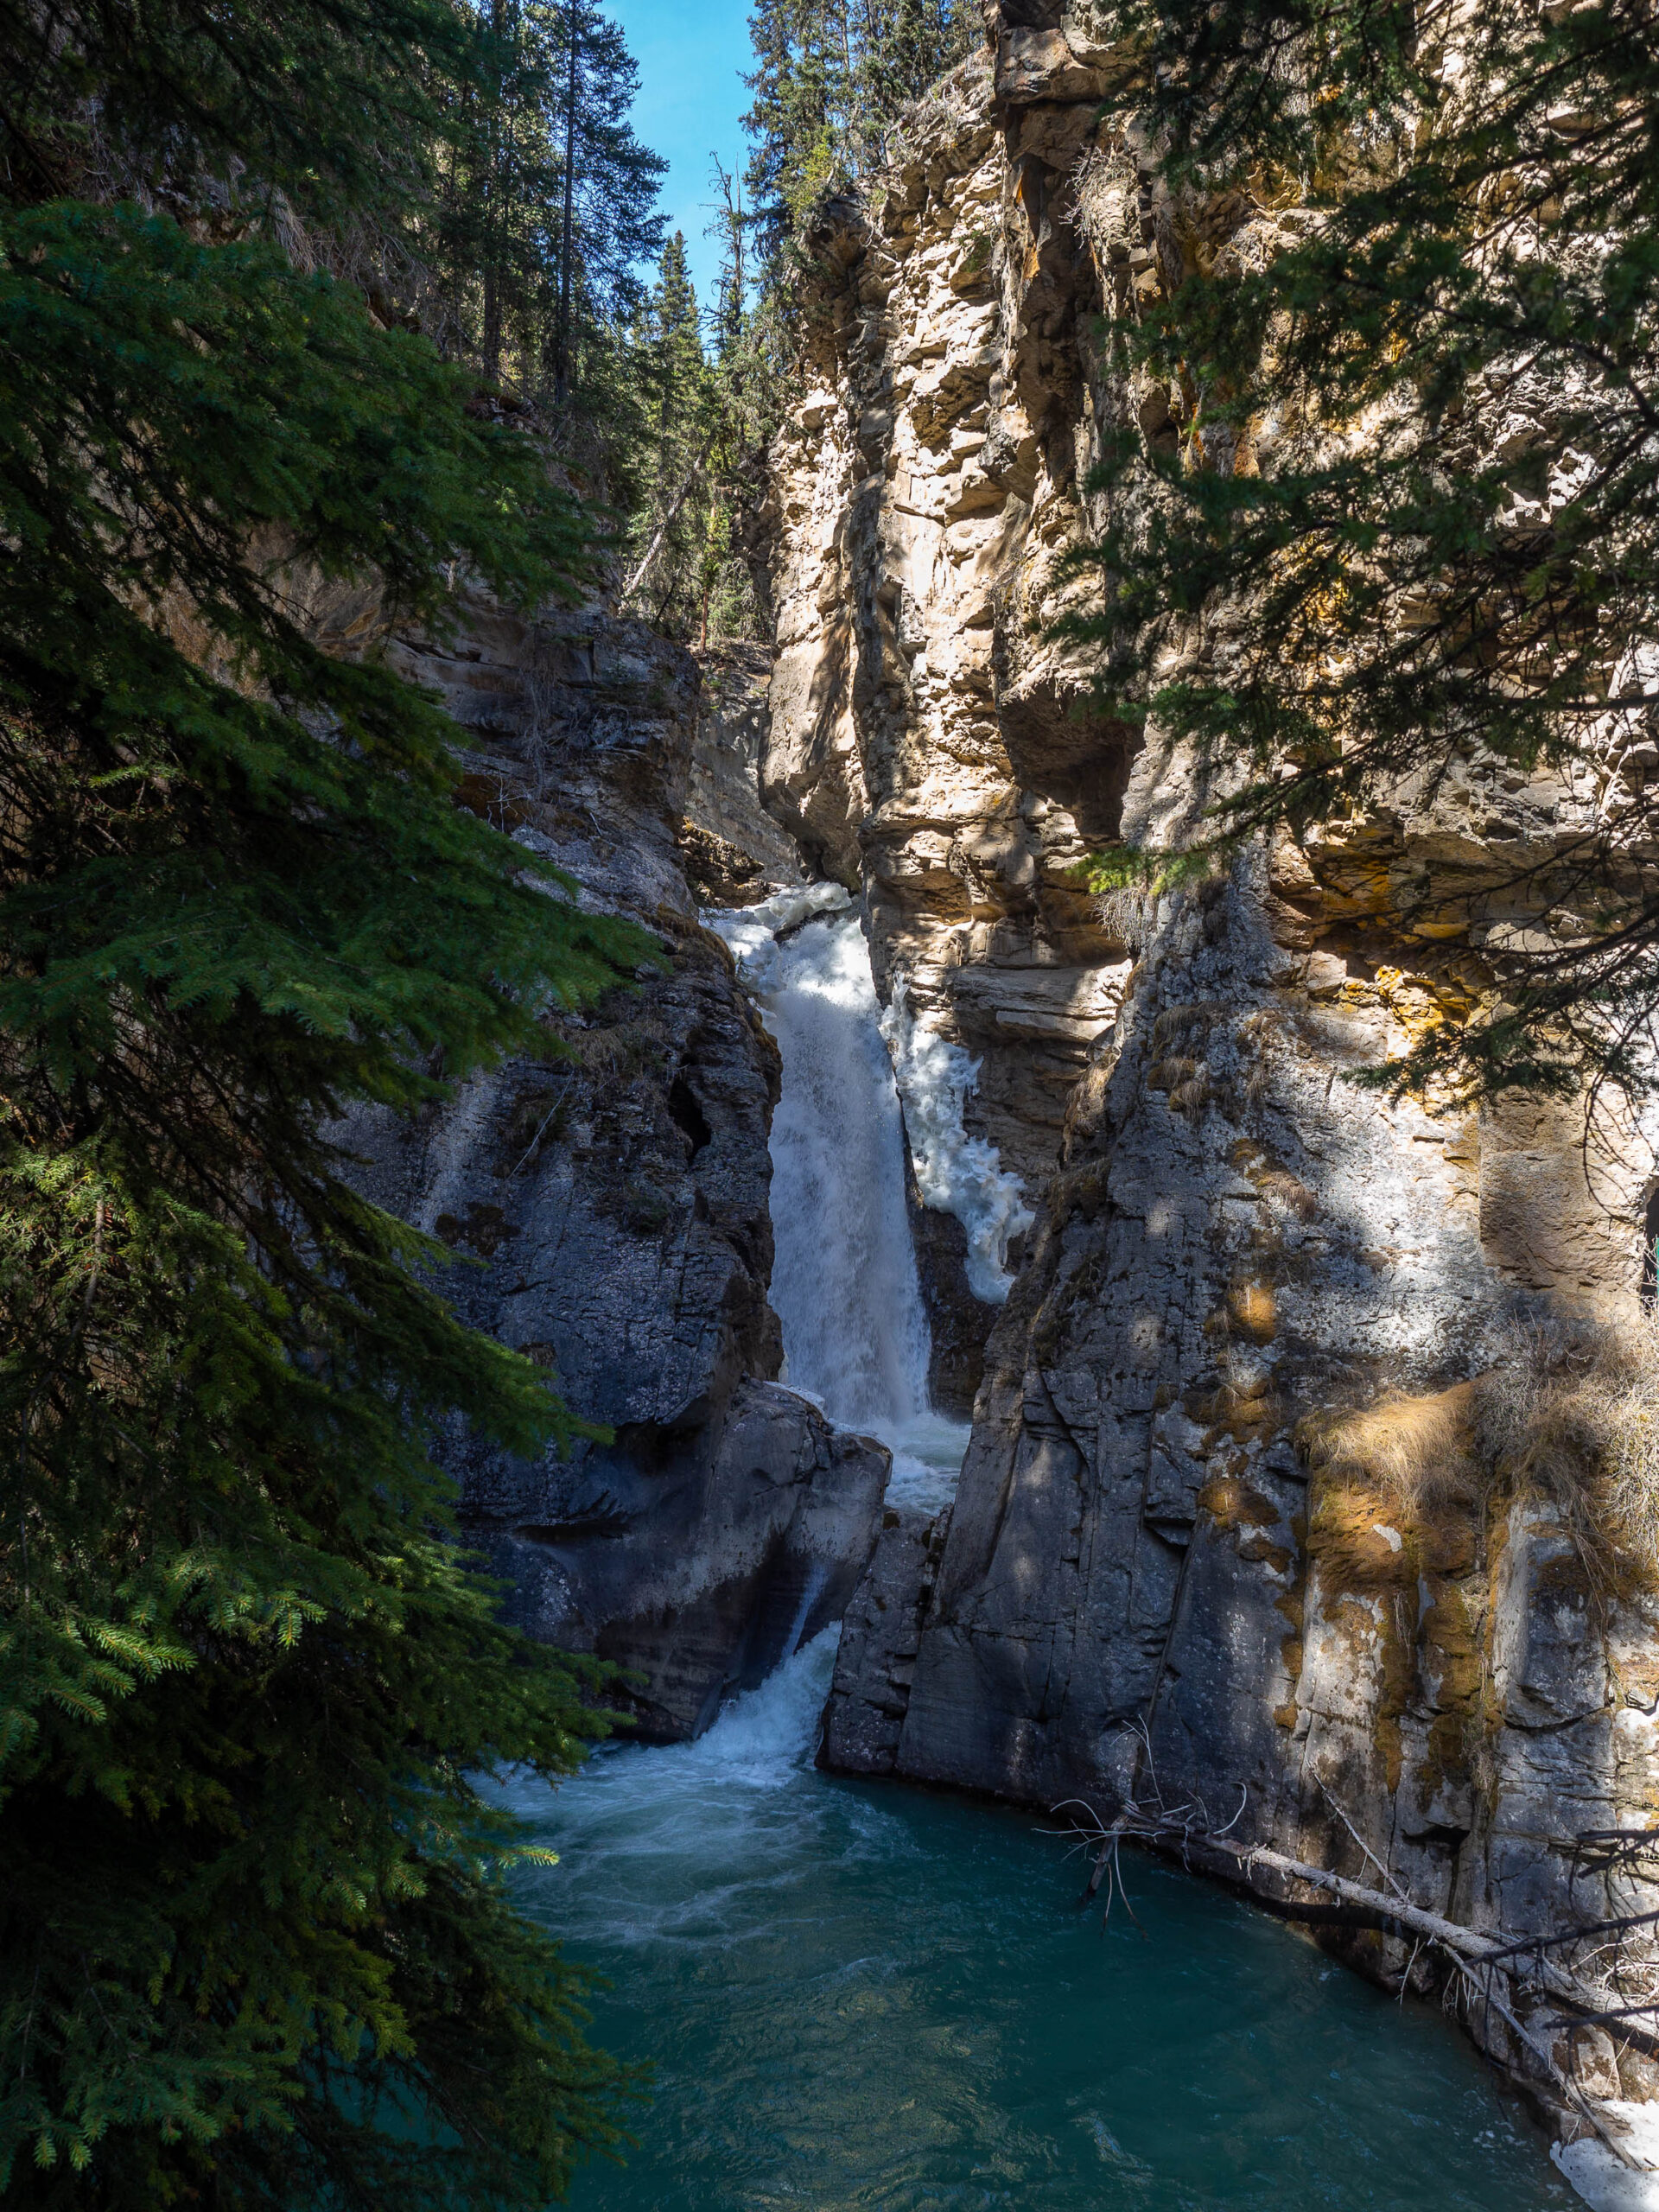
860,1995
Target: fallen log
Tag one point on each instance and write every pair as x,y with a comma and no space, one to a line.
1360,1906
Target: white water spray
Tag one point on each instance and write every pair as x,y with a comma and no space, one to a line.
844,1283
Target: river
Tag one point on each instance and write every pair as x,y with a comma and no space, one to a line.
858,1994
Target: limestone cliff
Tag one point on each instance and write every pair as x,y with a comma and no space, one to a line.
1133,1592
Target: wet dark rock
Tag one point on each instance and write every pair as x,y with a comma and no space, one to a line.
606,1197
879,1638
700,1557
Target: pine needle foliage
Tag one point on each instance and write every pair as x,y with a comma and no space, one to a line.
258,1946
334,103
1392,521
830,78
547,206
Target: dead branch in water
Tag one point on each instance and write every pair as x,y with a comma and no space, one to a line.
1489,1968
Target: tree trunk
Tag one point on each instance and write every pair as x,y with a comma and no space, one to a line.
660,534
490,344
1361,1905
562,353
494,186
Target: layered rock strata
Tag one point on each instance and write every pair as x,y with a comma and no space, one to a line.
1133,1596
733,850
606,1200
923,743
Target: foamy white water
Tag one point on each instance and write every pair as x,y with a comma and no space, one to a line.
844,1284
956,1173
855,1996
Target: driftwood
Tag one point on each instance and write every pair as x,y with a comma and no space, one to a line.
1488,1965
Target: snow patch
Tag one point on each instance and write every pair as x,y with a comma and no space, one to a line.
1598,2178
955,1173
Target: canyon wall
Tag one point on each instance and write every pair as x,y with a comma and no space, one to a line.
1145,1589
607,1199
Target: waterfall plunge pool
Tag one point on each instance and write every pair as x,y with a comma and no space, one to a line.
861,1995
856,1994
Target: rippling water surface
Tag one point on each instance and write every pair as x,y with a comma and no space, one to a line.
861,1995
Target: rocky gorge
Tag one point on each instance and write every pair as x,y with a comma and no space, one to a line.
1145,1592
1166,1248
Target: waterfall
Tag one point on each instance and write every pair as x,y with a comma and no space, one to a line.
844,1284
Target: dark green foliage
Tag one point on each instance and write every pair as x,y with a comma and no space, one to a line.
547,197
698,465
1415,448
674,515
830,78
609,223
332,103
255,1943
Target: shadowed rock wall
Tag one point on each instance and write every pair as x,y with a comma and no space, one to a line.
606,1201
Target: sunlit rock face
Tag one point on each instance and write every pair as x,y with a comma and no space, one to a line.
1227,1235
922,744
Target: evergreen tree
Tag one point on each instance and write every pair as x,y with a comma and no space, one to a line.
730,226
608,223
701,462
746,373
796,121
906,47
548,199
334,103
1398,512
256,1947
673,519
831,77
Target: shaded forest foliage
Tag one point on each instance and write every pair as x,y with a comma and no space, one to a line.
365,293
1389,519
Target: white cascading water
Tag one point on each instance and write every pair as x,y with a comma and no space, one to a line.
857,1996
844,1282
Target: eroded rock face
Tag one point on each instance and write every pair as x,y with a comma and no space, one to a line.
734,852
1228,1234
607,1202
923,746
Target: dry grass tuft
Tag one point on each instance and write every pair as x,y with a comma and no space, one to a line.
1573,1420
1172,1073
1398,1490
1130,915
1410,1456
1570,1420
1184,1027
615,1051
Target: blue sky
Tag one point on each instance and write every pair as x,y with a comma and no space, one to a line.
689,53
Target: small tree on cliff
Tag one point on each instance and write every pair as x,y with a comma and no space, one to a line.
256,1946
1395,511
